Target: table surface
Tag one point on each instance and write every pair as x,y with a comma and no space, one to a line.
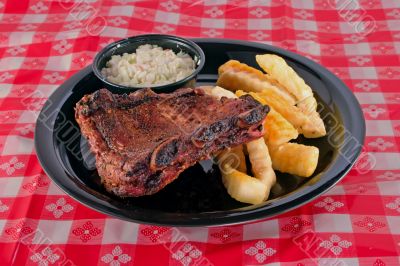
42,43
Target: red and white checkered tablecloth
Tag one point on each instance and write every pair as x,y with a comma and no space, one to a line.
42,43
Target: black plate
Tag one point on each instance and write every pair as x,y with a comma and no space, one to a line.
198,197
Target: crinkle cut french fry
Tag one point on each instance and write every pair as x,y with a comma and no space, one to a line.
234,157
207,89
261,162
295,159
242,187
278,69
219,92
307,105
237,66
277,129
315,128
311,126
290,112
234,75
238,151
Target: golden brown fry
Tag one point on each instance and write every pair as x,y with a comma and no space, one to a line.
311,126
233,157
277,129
261,162
295,159
207,88
315,128
234,75
242,187
277,69
279,72
307,105
238,151
290,112
218,92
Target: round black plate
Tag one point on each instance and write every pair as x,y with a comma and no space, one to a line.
198,197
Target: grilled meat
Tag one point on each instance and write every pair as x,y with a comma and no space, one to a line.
142,141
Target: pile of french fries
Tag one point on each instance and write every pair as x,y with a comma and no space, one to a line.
293,111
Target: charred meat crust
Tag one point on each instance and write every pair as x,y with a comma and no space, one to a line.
142,141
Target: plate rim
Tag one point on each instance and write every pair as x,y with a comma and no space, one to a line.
231,217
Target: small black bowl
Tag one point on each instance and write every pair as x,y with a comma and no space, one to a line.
129,45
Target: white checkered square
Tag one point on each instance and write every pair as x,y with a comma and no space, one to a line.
302,4
347,28
115,32
2,224
306,25
309,47
215,2
344,5
390,4
54,190
167,17
336,190
59,63
71,34
20,38
34,18
9,186
366,26
213,23
28,117
121,11
337,261
44,90
80,15
11,63
5,89
199,234
267,229
16,145
357,49
397,47
379,128
56,232
259,24
394,224
332,223
260,3
34,94
370,97
389,188
387,161
363,73
118,231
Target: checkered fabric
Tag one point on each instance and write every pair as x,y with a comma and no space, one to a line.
42,43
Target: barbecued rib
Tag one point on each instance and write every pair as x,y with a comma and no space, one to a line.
142,141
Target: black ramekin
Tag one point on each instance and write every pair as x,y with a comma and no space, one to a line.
129,45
